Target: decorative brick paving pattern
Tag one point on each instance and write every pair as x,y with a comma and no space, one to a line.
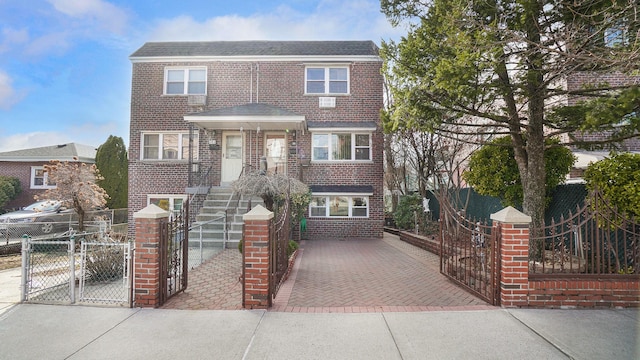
214,285
365,275
353,275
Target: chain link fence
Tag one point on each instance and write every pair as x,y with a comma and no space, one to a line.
79,267
60,225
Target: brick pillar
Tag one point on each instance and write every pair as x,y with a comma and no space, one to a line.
514,256
256,292
146,270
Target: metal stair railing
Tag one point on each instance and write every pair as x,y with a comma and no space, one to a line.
199,227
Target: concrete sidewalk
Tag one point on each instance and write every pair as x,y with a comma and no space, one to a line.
29,331
9,288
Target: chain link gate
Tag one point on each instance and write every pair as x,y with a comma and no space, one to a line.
53,271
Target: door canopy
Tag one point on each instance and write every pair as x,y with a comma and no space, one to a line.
251,116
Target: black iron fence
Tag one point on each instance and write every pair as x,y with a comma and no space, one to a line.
174,254
596,239
469,253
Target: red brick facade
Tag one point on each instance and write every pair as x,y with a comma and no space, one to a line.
579,80
22,171
278,82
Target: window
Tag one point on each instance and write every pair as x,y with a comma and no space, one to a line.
615,36
40,178
339,206
187,81
171,203
168,146
344,146
327,80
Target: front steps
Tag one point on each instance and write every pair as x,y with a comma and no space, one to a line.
210,224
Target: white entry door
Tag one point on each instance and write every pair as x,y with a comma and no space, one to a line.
231,156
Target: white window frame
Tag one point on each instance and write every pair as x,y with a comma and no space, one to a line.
330,198
45,179
185,82
171,198
183,143
327,79
329,146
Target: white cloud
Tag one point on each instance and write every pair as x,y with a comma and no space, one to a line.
11,37
331,19
32,140
87,134
54,42
8,95
97,12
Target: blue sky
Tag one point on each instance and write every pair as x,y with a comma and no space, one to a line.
65,75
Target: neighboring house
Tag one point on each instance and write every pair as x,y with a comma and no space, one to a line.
312,108
28,166
578,81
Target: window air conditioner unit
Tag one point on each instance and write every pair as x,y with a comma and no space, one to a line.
197,100
327,102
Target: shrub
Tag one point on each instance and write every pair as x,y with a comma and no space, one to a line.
293,246
404,215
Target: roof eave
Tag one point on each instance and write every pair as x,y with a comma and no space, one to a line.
302,58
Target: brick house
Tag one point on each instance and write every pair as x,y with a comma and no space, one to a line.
202,112
28,166
579,80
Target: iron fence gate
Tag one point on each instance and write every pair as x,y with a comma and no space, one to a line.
54,271
279,238
174,254
469,253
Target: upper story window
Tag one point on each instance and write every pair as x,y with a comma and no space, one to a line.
168,146
185,81
327,80
40,178
341,146
615,36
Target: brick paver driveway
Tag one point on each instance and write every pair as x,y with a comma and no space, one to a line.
352,275
366,275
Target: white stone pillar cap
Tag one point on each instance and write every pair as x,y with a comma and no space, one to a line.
258,213
510,215
152,211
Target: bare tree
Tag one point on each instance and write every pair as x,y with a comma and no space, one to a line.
75,187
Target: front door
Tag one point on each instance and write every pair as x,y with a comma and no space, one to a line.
276,152
231,156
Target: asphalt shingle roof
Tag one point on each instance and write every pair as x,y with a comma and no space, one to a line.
62,152
257,48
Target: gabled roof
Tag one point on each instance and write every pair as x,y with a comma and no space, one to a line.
309,51
213,49
63,152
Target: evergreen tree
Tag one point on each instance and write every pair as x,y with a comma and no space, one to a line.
9,189
111,160
497,67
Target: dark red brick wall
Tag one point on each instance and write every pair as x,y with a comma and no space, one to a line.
276,83
585,292
22,171
580,79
